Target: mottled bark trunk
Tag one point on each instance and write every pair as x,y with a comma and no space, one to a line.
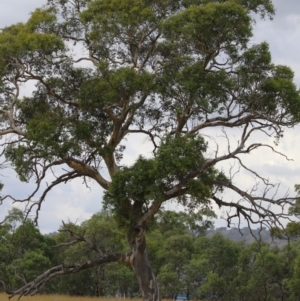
142,268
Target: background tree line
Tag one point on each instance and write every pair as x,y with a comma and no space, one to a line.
183,257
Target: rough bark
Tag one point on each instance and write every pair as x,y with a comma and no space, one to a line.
141,266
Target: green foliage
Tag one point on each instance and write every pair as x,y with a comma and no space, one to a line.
25,41
104,231
179,157
295,279
295,209
190,32
101,229
168,280
13,217
106,88
183,261
214,286
198,25
153,69
25,252
177,160
27,268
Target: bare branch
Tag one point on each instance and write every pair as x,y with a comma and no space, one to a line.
79,238
64,269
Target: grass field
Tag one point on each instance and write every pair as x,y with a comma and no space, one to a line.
3,297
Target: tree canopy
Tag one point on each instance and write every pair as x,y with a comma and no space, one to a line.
164,70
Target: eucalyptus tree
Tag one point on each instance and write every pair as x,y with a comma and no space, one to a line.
164,70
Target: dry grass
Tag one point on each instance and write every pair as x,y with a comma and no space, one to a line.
3,297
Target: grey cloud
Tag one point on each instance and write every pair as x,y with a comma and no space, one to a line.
282,34
287,7
14,11
278,170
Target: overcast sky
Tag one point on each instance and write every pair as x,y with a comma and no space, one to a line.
75,202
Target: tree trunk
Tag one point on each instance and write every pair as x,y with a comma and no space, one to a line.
142,268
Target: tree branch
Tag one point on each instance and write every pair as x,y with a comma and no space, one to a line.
86,170
64,269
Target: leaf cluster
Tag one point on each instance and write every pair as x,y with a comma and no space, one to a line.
178,161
